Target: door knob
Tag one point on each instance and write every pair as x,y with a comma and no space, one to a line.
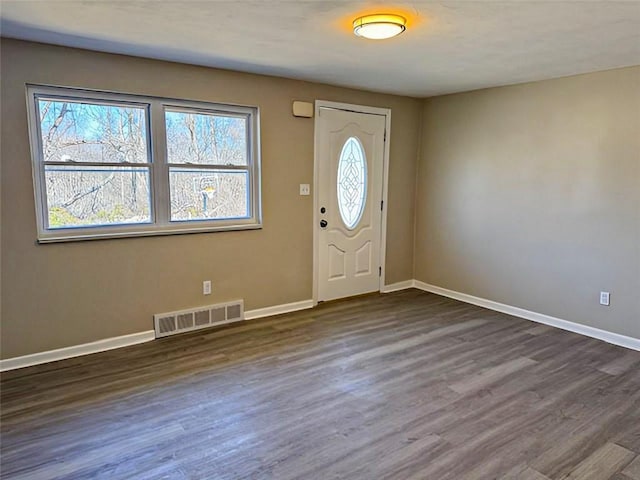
323,223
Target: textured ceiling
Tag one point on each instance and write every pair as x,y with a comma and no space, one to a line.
448,46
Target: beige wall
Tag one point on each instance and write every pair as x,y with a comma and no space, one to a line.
59,295
529,195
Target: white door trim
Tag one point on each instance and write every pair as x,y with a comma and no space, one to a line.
386,112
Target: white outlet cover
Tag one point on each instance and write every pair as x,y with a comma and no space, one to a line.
604,298
305,189
206,287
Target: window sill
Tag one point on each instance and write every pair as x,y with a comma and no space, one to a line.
156,232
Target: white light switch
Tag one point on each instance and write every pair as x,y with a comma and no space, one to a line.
305,189
604,298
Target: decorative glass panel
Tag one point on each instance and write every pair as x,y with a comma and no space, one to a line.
352,182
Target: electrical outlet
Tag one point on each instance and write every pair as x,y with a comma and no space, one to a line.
604,298
305,189
206,287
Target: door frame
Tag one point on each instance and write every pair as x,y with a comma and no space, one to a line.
385,112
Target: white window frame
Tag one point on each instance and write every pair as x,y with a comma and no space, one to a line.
158,165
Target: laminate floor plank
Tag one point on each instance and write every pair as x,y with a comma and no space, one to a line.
523,472
407,385
621,364
633,469
603,463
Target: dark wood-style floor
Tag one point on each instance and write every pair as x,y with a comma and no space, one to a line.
407,385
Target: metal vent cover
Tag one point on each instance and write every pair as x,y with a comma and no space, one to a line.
234,312
166,325
185,320
218,314
202,317
181,321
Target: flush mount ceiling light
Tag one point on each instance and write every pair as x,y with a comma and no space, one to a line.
379,26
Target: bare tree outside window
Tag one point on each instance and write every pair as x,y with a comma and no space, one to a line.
80,143
209,144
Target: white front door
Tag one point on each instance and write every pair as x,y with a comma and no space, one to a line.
350,156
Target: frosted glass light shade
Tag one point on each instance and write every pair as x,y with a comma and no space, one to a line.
379,26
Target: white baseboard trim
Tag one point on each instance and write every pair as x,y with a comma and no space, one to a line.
142,337
394,287
278,309
76,350
127,340
609,337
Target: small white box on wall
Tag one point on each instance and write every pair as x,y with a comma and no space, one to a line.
302,109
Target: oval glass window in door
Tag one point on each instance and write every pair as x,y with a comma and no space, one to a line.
352,182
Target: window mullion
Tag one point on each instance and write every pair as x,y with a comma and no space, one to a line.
160,170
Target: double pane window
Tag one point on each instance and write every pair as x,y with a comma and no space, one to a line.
108,165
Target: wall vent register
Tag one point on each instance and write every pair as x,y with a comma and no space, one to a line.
181,321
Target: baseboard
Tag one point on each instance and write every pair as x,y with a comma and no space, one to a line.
76,350
394,287
609,337
142,337
278,309
127,340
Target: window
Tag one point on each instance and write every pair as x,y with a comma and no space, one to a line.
111,165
